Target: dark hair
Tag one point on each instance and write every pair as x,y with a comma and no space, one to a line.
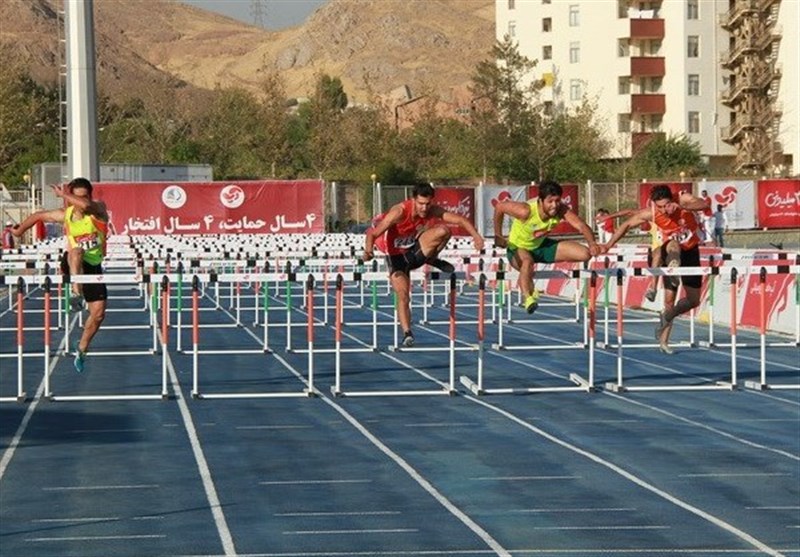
81,183
719,207
548,188
422,189
660,192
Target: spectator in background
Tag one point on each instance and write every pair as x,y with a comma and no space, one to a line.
720,226
9,241
605,226
707,219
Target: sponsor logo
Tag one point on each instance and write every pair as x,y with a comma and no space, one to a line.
503,196
174,196
775,199
231,196
726,196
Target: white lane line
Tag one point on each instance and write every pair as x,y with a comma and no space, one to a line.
108,430
97,538
274,427
522,478
337,532
791,508
339,513
99,487
313,482
735,475
94,519
622,527
8,454
566,510
761,546
202,465
445,424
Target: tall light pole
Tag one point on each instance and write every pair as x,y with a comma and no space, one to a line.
376,196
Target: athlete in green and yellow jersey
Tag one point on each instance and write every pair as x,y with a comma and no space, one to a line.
528,241
86,228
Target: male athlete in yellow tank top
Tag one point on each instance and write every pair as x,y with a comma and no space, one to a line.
86,228
528,241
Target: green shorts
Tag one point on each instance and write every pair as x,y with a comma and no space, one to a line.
545,253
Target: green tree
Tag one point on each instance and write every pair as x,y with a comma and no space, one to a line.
668,156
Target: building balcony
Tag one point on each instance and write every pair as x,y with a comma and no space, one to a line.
756,43
647,29
759,80
730,134
647,66
648,104
734,16
639,140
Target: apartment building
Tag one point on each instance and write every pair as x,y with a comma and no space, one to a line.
722,72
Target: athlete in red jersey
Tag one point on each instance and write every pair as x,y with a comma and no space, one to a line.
412,233
675,221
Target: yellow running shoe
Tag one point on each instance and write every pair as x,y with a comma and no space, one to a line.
532,301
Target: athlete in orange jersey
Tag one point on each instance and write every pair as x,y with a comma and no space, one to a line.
677,225
411,234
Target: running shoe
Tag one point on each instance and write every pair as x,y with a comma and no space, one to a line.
408,339
532,301
80,361
650,294
76,303
665,349
662,325
442,265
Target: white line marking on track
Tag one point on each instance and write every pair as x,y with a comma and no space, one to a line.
445,424
761,546
632,527
522,478
339,513
202,465
565,510
274,427
99,487
361,531
734,475
313,482
95,519
97,538
792,508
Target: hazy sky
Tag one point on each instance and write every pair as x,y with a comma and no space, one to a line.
279,13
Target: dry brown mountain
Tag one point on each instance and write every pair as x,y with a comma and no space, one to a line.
376,45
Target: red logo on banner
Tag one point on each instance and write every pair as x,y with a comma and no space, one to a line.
459,201
726,196
779,203
502,196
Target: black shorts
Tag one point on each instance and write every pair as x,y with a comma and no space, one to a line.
689,258
91,292
405,262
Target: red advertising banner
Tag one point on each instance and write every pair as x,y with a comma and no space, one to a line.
778,203
460,201
241,207
569,198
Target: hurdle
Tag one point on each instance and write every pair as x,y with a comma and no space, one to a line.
196,351
578,383
448,388
121,279
762,384
21,396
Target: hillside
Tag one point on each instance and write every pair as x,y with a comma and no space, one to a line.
372,45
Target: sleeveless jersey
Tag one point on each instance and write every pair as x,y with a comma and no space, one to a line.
403,234
529,234
89,233
681,226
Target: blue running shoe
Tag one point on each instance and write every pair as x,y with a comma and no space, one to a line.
408,339
76,303
80,361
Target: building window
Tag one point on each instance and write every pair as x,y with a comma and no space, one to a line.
692,9
624,85
511,4
546,1
623,123
574,52
654,47
547,52
575,91
547,25
693,46
694,122
512,28
574,15
622,9
623,48
548,108
693,85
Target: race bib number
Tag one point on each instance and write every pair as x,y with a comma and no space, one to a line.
404,242
87,241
